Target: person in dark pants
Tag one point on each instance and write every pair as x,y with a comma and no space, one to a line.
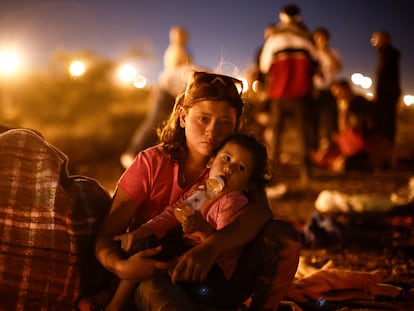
387,89
329,65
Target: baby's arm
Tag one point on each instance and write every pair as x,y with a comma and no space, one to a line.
196,223
217,215
162,223
157,226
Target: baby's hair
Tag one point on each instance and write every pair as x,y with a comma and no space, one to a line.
262,173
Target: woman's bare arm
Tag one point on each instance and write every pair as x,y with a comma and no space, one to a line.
246,225
108,251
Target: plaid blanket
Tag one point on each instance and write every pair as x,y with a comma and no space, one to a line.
47,225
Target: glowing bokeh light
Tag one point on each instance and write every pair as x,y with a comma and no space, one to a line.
245,85
366,82
77,68
9,62
140,82
356,78
256,86
361,80
408,100
127,73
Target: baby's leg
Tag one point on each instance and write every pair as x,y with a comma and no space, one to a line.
122,294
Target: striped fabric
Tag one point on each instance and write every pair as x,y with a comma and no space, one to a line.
47,225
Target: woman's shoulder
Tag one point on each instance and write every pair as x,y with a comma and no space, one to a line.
149,167
153,158
154,153
153,150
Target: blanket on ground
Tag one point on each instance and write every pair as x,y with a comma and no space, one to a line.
47,224
328,288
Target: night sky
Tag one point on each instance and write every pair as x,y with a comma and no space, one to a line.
222,32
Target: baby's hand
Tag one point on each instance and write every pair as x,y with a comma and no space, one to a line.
194,222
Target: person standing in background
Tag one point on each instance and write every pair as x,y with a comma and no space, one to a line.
387,87
178,63
178,67
289,60
329,66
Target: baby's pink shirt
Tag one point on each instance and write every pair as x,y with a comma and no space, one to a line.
218,212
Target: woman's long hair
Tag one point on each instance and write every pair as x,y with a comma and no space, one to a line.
203,86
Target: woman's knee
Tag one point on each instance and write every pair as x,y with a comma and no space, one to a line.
158,293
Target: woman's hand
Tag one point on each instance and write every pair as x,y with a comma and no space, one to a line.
141,266
195,264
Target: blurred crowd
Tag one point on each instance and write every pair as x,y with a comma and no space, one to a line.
296,80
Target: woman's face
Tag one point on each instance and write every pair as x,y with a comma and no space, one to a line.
206,125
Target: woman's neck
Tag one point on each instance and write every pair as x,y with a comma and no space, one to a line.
190,169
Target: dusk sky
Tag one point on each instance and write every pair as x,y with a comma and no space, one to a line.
221,31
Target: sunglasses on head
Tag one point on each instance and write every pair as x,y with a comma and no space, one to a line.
213,78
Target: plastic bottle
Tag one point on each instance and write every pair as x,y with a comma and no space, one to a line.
207,190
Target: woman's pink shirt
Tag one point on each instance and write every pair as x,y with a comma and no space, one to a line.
152,183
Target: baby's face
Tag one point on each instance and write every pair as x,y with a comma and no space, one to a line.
236,163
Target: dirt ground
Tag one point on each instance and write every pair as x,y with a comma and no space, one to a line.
374,241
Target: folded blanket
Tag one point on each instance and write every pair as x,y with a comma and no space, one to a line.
47,225
334,285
